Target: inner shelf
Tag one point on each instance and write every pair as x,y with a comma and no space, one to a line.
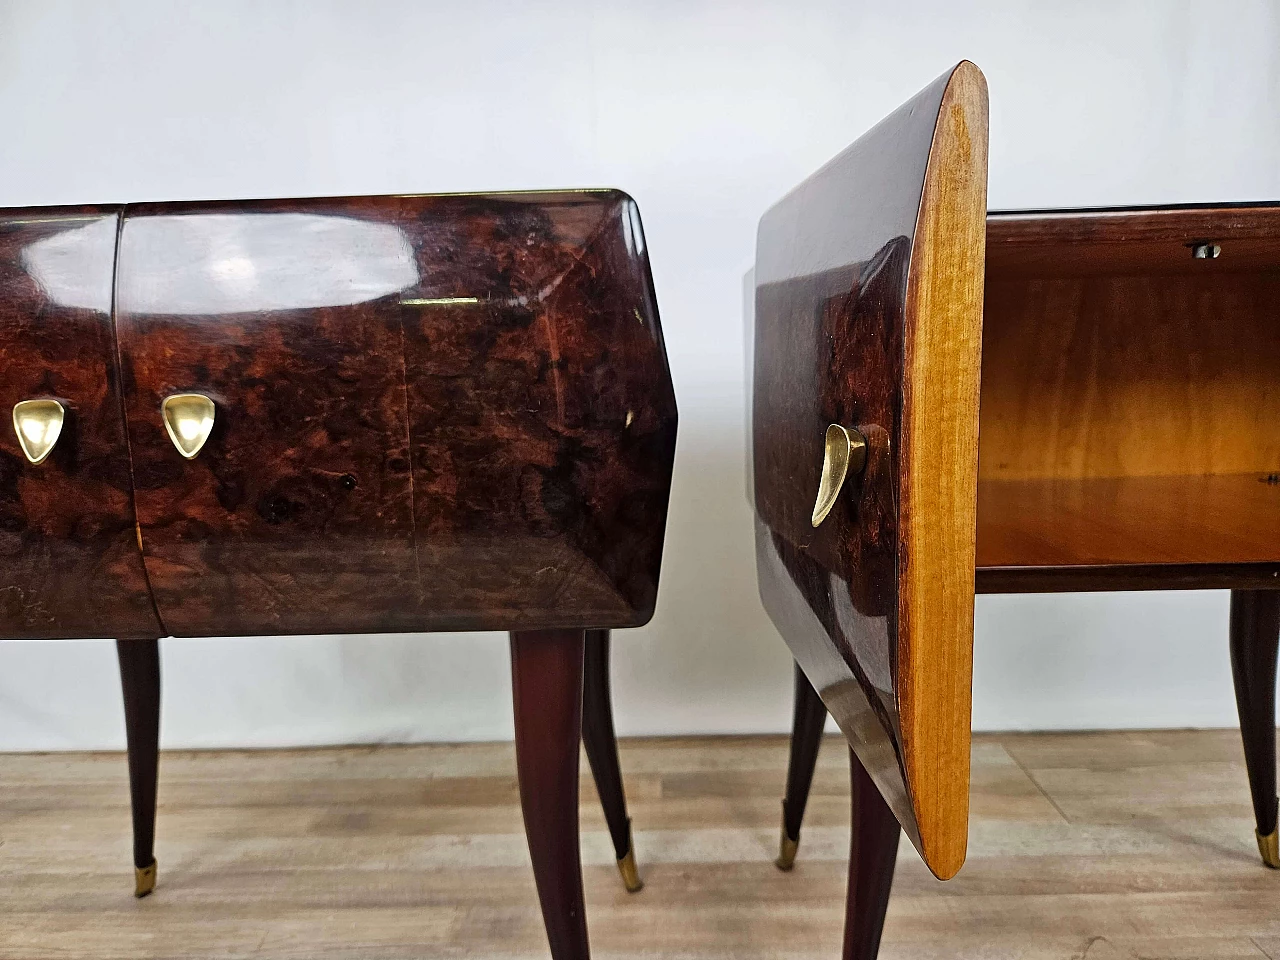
1212,519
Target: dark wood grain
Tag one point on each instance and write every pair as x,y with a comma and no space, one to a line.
297,515
601,743
68,538
140,682
433,413
873,849
868,314
448,412
546,686
1255,641
542,414
809,717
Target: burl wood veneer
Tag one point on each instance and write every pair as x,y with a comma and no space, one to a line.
433,413
410,413
68,539
868,315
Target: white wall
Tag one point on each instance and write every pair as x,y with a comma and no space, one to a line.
706,113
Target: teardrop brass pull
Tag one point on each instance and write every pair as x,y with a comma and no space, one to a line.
845,450
188,418
38,424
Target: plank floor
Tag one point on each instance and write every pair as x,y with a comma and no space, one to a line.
1107,845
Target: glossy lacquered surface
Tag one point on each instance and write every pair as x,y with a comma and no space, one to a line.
1254,642
873,849
1127,422
868,315
546,690
432,412
68,542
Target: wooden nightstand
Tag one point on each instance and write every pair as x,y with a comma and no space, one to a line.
1126,364
350,415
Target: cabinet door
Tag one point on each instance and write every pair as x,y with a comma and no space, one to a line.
295,516
868,315
68,538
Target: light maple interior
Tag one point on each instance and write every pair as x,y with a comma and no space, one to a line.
1130,403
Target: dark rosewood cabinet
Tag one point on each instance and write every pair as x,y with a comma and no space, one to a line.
349,415
947,401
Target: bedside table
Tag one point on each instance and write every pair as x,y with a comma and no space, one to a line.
1128,370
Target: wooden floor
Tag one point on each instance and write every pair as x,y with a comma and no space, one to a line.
1096,845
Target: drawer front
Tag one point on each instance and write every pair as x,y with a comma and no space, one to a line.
296,514
868,315
429,412
68,538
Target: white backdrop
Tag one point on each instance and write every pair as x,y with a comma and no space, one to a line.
706,113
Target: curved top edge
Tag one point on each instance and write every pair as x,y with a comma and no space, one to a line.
586,194
938,484
540,194
804,234
885,121
63,212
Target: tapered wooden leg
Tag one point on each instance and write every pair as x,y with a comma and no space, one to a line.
602,754
546,683
140,680
806,737
1255,637
873,851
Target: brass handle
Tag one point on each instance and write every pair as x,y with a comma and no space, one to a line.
188,419
38,424
845,450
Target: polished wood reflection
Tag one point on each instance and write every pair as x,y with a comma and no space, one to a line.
546,686
411,413
868,315
873,852
72,567
1255,643
432,412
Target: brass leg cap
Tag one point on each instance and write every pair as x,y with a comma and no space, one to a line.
787,850
144,880
1269,847
630,875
